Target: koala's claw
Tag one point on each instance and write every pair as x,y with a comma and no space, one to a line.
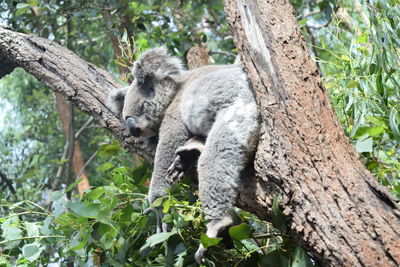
176,170
200,254
185,156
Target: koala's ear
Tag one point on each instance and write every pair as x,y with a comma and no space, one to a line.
116,99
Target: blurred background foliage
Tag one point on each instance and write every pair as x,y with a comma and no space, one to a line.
354,43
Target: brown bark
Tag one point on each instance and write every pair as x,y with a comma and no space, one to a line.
334,207
197,57
64,111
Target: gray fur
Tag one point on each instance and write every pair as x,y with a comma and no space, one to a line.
116,100
214,102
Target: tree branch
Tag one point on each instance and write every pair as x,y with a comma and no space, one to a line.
84,84
8,182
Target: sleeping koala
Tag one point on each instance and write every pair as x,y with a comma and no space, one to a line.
210,110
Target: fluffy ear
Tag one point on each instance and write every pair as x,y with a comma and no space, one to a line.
156,63
116,99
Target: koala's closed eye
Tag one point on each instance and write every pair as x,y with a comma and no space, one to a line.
147,87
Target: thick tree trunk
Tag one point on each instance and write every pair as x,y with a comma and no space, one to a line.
333,205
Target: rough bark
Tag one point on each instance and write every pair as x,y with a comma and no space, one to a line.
81,82
334,207
197,57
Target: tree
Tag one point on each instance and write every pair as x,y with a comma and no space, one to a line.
327,195
333,205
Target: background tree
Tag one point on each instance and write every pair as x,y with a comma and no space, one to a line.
104,226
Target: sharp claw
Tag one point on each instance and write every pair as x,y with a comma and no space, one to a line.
164,227
200,254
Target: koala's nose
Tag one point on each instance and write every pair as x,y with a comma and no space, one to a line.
133,128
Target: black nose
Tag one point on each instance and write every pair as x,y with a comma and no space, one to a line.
133,128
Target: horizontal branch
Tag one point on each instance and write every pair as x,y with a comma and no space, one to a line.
84,84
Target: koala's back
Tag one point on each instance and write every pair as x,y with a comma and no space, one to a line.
211,89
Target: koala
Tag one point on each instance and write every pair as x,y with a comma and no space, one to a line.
208,112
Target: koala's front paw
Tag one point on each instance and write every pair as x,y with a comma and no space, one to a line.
186,156
176,170
200,254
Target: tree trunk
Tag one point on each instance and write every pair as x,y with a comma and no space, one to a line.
334,207
78,162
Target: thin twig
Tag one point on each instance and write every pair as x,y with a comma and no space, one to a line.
8,183
84,127
86,164
30,237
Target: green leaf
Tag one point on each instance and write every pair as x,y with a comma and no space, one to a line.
208,241
352,84
96,193
45,229
364,145
345,58
157,202
86,210
394,123
21,8
376,121
31,251
56,195
278,220
4,262
10,231
106,166
239,232
371,131
32,229
108,232
71,186
300,258
166,206
77,244
124,38
379,84
158,238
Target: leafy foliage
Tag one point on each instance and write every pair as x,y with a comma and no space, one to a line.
357,54
107,226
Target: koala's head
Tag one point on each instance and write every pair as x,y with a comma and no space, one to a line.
143,103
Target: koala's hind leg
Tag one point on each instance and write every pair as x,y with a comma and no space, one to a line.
228,148
186,155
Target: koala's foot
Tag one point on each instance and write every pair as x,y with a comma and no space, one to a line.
161,226
200,254
186,156
215,229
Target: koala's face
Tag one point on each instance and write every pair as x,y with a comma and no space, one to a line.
140,109
143,105
146,102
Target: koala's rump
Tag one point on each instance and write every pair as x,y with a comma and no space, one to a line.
210,90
